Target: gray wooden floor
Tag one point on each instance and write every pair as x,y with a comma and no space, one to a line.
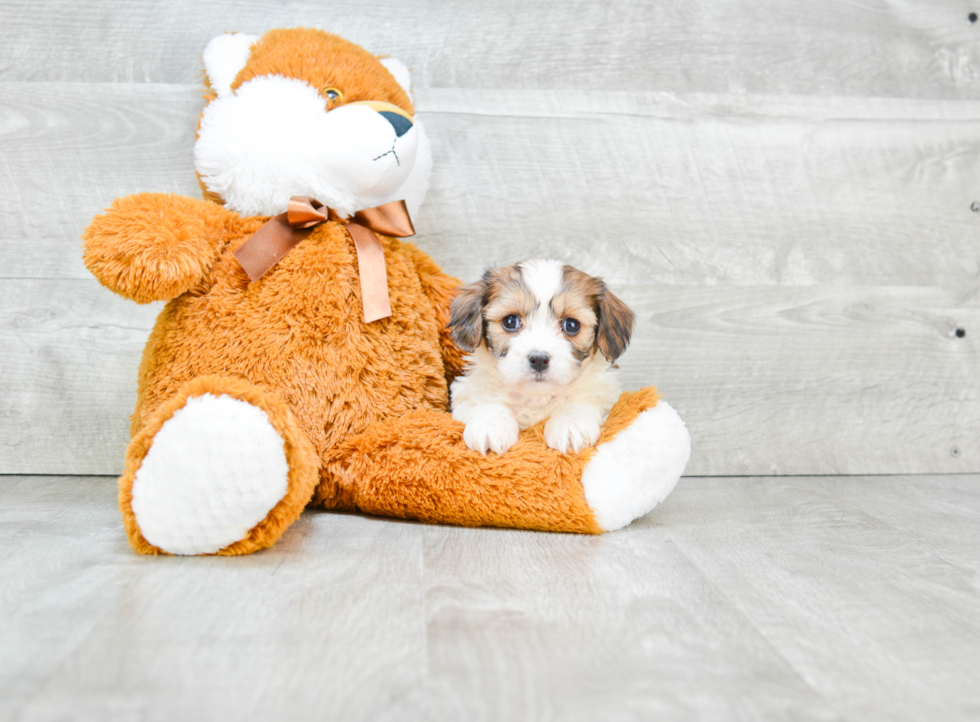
810,598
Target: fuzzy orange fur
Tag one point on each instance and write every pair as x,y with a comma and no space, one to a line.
324,61
418,467
154,247
362,407
300,455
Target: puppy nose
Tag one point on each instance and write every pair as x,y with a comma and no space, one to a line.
400,123
539,361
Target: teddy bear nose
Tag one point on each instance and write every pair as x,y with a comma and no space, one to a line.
400,123
539,361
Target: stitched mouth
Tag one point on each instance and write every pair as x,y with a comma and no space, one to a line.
390,152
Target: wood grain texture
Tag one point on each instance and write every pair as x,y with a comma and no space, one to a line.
657,188
760,598
814,559
770,380
70,149
782,190
707,190
618,628
873,48
789,380
69,354
333,624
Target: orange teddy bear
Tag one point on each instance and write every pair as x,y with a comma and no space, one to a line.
282,371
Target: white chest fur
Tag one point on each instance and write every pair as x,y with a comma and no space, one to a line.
532,402
529,407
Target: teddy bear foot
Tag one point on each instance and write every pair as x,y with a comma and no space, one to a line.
629,475
214,471
223,468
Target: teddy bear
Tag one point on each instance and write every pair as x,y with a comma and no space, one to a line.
303,357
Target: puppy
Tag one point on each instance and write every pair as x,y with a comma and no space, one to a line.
542,337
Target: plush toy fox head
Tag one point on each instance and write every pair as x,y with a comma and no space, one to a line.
304,112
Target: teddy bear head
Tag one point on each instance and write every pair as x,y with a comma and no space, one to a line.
305,112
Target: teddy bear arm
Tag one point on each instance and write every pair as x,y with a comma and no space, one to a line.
155,246
440,288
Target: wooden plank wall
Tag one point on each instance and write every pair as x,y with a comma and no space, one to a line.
786,192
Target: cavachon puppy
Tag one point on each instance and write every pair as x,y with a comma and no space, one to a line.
543,337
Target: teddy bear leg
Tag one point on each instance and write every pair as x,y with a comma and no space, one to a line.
418,467
223,467
635,469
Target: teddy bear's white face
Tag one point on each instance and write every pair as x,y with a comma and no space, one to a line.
273,138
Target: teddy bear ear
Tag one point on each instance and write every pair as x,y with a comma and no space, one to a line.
224,57
397,68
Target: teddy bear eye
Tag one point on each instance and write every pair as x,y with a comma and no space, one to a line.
571,326
333,95
511,323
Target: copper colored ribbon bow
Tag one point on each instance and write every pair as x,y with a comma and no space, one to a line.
281,233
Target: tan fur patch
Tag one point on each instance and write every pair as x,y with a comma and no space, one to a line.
578,298
505,294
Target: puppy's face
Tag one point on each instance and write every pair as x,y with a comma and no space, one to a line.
541,321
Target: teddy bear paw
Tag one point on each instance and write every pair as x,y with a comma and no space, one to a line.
632,473
215,469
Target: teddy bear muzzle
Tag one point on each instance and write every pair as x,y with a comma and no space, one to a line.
273,138
401,121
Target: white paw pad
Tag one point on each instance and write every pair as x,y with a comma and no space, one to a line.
634,472
215,470
491,427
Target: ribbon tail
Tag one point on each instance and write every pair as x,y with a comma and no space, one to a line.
268,245
373,273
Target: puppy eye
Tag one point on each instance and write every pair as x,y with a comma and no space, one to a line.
332,95
511,323
570,326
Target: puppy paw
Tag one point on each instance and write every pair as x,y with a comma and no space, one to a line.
571,430
491,427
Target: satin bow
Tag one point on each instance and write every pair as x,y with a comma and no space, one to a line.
280,234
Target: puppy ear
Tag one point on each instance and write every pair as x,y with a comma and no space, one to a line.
224,57
615,326
466,317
